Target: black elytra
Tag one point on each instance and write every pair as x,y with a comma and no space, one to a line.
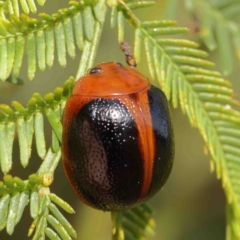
118,143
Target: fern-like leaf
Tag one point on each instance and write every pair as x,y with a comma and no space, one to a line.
202,94
219,27
65,30
133,224
14,197
45,214
48,221
29,120
178,67
13,7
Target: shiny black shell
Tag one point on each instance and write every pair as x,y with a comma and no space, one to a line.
117,149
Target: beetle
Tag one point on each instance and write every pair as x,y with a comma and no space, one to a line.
118,143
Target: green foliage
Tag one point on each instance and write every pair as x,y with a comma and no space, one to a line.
42,36
133,224
15,196
219,28
178,67
13,6
29,120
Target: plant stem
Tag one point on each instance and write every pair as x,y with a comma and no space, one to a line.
117,230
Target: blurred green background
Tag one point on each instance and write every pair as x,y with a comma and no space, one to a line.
191,206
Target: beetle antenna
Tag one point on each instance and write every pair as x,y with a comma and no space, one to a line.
125,47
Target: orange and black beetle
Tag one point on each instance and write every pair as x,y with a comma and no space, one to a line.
118,141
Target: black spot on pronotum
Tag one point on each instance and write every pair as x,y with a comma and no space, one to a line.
95,70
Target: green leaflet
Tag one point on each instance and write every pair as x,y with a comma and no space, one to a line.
120,27
49,47
10,54
34,203
12,215
41,46
4,203
60,44
51,234
41,225
23,202
68,30
62,220
54,198
31,53
78,29
23,144
88,23
39,135
3,57
18,55
58,227
6,132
